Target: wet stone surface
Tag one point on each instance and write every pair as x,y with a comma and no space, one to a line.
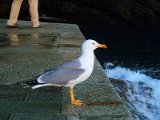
26,52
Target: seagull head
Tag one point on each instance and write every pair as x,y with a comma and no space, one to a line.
92,45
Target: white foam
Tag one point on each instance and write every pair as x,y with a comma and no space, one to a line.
139,99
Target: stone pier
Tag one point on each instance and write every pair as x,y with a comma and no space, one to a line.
26,53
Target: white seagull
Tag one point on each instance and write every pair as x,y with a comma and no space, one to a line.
71,73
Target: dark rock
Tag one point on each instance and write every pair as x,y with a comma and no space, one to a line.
139,12
120,86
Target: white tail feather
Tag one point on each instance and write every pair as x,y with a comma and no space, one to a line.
43,85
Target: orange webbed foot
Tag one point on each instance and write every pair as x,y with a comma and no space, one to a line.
77,102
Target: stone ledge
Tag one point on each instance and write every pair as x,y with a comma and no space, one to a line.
26,53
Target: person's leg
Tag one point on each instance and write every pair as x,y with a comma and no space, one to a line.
33,9
16,5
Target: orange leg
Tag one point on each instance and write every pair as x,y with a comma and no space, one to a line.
73,101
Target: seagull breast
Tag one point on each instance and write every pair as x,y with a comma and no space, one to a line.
87,64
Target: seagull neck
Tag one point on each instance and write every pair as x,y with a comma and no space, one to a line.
87,54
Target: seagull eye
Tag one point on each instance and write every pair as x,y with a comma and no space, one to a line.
93,43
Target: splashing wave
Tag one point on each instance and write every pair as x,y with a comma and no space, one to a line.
143,92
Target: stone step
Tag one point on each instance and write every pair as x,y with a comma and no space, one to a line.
31,97
29,107
11,88
94,94
97,97
18,93
105,117
32,116
57,94
52,116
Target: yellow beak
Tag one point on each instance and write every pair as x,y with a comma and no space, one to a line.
102,46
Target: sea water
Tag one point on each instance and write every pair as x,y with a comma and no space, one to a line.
143,91
133,56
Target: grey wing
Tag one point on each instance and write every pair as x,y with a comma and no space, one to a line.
63,74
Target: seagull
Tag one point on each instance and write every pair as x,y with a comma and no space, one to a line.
70,74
